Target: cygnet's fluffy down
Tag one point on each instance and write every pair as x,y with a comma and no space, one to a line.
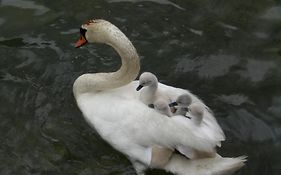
197,113
150,93
162,107
182,103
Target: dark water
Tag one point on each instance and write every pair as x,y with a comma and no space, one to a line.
227,52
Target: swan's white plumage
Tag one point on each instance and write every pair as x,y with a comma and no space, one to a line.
111,105
208,166
211,127
134,123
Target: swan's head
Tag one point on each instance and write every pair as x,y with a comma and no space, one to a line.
162,106
147,79
197,112
95,31
183,100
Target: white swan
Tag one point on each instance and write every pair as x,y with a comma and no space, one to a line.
150,93
110,104
197,112
182,103
162,107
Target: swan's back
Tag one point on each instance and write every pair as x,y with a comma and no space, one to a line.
121,111
209,120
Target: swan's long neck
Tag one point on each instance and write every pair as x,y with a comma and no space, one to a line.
93,82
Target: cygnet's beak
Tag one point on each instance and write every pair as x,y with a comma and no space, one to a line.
139,87
82,41
151,106
173,104
187,116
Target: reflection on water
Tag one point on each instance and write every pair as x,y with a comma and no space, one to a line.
226,52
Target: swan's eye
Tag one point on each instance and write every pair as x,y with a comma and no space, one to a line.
83,32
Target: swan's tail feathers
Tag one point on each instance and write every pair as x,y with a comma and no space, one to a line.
180,165
230,165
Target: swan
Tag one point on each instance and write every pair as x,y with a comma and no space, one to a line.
162,107
197,112
150,93
182,103
111,105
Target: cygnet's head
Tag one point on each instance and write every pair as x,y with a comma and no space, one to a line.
96,31
147,79
197,112
183,100
162,107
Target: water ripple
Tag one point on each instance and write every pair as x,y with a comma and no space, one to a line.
235,99
257,69
212,66
247,127
162,2
39,9
273,13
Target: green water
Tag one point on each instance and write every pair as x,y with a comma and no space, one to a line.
226,52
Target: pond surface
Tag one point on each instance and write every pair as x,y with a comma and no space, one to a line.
226,52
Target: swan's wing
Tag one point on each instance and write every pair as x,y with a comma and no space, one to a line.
125,122
208,119
173,92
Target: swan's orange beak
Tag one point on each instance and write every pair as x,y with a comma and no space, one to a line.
82,41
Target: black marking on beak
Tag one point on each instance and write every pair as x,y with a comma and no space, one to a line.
173,104
187,116
139,87
83,32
